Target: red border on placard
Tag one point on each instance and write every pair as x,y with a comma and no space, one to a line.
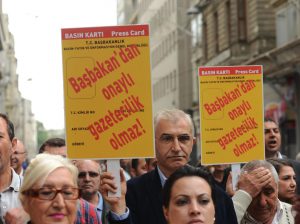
127,31
230,70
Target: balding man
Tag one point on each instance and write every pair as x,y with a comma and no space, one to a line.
18,157
256,200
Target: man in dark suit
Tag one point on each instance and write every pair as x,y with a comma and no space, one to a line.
173,143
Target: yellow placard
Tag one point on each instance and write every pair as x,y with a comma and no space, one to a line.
108,93
231,114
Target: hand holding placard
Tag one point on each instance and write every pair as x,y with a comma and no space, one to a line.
113,166
113,187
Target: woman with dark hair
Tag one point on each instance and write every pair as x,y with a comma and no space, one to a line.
188,196
287,179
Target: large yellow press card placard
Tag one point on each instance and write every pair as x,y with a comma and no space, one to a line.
231,114
107,89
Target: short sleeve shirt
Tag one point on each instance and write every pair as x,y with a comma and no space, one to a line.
9,198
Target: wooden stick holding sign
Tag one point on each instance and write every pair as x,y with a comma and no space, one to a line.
113,166
235,172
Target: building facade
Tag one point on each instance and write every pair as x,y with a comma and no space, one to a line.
187,34
261,32
282,73
11,101
170,47
170,38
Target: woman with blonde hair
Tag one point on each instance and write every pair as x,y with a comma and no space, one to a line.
49,192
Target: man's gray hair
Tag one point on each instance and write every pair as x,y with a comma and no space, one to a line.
173,115
260,163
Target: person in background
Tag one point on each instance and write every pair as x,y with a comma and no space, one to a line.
11,210
138,167
89,182
18,158
174,139
287,179
220,174
126,166
298,157
273,146
296,209
188,197
272,139
47,198
55,146
256,200
151,164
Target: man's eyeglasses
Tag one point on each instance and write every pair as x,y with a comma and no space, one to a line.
49,193
167,138
90,173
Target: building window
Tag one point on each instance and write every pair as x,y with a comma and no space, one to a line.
121,18
228,22
168,8
169,43
173,81
173,2
196,28
163,88
154,92
286,21
196,81
216,28
205,41
174,39
164,85
164,44
134,3
242,23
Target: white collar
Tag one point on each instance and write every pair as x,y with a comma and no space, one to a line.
162,177
276,219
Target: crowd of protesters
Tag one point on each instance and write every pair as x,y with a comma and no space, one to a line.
160,190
